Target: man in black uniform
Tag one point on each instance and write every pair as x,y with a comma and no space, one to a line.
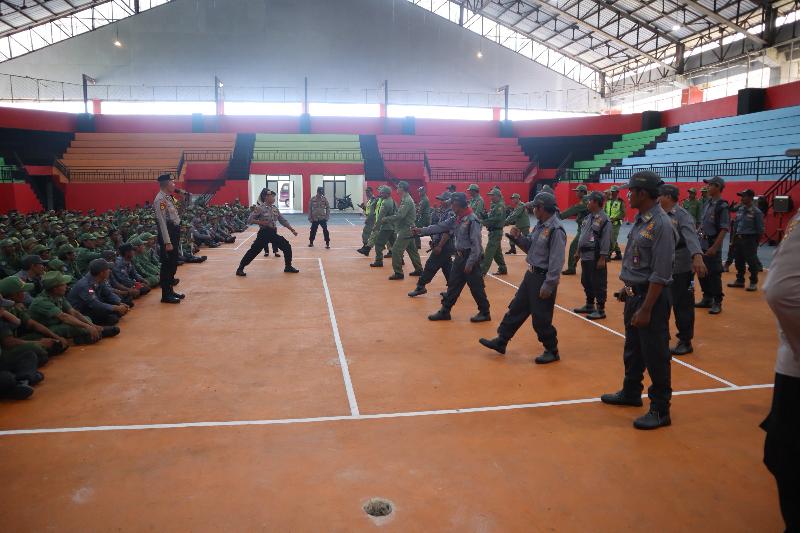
168,222
646,272
749,228
714,224
536,296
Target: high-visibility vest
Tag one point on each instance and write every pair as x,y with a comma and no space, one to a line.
369,207
613,208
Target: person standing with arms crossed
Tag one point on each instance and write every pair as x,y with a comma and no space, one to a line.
168,224
646,272
319,211
536,296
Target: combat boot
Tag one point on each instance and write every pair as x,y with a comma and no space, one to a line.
622,398
736,284
418,291
364,250
716,308
396,276
501,272
481,317
547,357
597,314
652,420
682,348
416,273
291,270
441,314
705,303
586,309
376,265
752,287
497,344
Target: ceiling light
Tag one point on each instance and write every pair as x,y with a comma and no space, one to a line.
676,27
479,54
117,43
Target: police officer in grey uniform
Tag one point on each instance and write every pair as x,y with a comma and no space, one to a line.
267,216
168,223
93,297
749,228
536,296
594,244
646,272
715,222
688,262
466,230
442,250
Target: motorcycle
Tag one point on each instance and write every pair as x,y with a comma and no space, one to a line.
344,203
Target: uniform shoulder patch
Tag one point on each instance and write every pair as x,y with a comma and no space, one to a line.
162,205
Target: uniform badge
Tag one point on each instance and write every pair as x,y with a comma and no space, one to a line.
636,256
545,233
162,205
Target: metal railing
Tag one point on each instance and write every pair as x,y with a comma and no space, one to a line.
404,156
306,155
207,155
453,174
755,167
61,167
11,174
101,175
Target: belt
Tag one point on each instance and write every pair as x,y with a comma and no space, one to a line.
638,289
537,270
742,235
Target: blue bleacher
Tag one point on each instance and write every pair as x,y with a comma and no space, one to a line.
756,135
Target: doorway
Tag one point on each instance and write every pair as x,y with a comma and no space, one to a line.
288,190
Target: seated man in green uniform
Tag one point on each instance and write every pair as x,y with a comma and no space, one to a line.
22,363
52,310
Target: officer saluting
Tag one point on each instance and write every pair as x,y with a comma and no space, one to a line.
536,296
168,222
646,271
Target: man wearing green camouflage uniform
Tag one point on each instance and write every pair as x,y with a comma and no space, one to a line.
615,209
423,214
403,220
519,219
693,206
383,231
87,253
579,211
476,201
494,222
368,207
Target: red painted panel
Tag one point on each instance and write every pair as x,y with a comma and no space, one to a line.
719,108
205,171
354,125
241,124
105,196
230,192
30,119
19,197
465,128
785,95
598,125
142,124
405,169
39,170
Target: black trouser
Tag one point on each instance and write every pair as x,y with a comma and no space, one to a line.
169,260
513,246
782,446
595,283
103,318
746,253
313,235
265,237
682,294
711,283
21,363
458,278
527,303
648,348
443,261
731,257
274,248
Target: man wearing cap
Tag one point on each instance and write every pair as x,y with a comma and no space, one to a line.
441,256
423,214
646,272
368,207
466,230
267,216
519,219
703,199
33,268
536,295
383,232
688,262
9,261
494,222
168,226
579,211
615,209
715,223
86,253
93,297
749,228
594,248
693,206
319,211
476,201
403,220
124,272
67,254
53,310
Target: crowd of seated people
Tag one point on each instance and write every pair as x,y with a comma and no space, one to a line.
68,278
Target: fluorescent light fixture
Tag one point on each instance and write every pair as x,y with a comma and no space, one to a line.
676,27
479,54
117,43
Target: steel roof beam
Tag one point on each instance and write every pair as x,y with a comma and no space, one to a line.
699,8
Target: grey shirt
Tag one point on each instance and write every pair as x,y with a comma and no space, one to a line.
782,290
595,233
650,249
87,295
467,234
166,212
713,219
269,214
749,221
125,273
688,243
546,247
437,216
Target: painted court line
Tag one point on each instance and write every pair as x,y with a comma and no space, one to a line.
618,334
244,241
285,421
348,221
348,384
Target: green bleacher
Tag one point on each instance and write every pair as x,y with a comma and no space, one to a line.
625,147
8,173
296,148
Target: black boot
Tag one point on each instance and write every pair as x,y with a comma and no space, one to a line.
682,348
416,273
441,314
172,299
736,284
652,420
586,309
716,308
752,287
418,291
705,303
481,317
548,356
497,344
240,272
290,269
621,398
396,276
597,314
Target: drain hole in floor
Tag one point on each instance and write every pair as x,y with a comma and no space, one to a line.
377,507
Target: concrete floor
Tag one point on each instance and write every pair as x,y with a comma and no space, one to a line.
284,402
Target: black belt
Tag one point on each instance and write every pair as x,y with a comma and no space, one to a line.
742,235
639,289
537,270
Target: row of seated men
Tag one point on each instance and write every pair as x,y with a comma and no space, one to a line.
68,278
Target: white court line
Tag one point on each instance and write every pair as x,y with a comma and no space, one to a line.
285,421
348,221
244,241
348,384
618,334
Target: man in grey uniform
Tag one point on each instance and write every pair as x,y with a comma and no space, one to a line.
93,297
715,222
441,256
466,270
536,296
594,246
646,271
749,228
168,223
688,262
782,445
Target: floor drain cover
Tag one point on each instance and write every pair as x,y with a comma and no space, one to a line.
377,507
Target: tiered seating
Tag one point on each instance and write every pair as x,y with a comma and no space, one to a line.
625,147
750,143
452,157
140,156
311,147
10,173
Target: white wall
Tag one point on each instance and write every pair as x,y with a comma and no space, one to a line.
254,43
